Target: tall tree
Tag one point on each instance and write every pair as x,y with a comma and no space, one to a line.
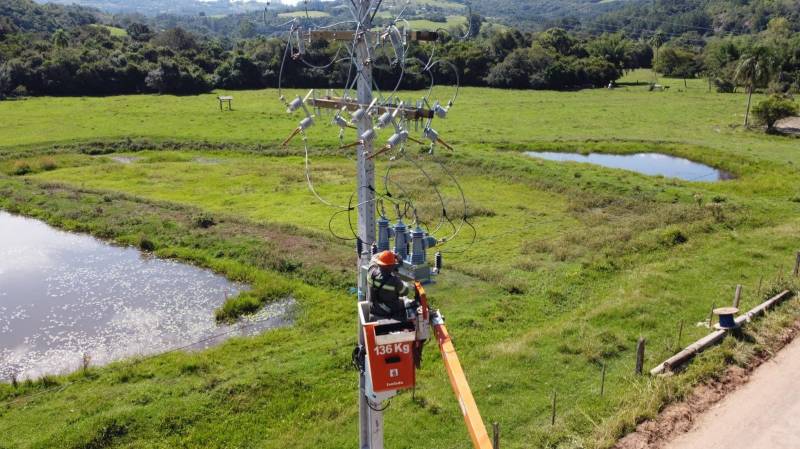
754,68
60,39
656,42
5,80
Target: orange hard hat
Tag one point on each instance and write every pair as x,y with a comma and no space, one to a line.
387,259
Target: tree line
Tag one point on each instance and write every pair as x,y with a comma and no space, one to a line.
91,60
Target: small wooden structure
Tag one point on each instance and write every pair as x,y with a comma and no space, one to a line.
223,100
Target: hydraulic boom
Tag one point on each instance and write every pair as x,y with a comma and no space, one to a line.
458,380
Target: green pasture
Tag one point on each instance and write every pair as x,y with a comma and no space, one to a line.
568,266
115,31
310,14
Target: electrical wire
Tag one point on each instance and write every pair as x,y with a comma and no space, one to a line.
311,183
405,203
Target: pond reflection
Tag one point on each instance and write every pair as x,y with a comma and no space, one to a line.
63,295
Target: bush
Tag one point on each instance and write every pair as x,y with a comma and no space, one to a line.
774,108
47,164
677,63
204,221
145,244
21,168
724,86
672,237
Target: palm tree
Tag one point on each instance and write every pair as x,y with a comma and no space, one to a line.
754,68
656,42
60,39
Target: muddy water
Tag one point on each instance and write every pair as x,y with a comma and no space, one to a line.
652,164
63,295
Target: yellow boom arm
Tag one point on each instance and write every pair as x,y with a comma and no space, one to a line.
472,416
458,380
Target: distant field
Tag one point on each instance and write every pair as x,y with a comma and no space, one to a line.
429,25
571,263
114,30
311,14
445,4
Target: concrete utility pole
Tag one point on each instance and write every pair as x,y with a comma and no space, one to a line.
370,419
364,39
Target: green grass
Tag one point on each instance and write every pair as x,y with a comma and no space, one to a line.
115,31
571,263
430,25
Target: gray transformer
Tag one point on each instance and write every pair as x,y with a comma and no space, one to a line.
411,248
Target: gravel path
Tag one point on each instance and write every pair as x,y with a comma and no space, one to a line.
763,414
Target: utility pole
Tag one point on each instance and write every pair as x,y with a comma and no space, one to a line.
364,40
370,418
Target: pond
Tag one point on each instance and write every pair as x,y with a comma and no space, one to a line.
65,295
652,164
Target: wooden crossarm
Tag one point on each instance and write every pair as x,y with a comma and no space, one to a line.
352,105
349,36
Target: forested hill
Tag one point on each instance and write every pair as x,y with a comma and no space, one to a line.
704,17
155,7
525,14
537,14
27,16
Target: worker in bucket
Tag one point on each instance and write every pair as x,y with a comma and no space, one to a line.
386,288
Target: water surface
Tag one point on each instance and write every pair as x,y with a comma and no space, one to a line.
63,295
652,164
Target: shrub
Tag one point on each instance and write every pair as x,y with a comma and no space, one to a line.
774,108
47,164
145,244
204,221
21,168
724,86
672,237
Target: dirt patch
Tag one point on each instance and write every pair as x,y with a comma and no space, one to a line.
679,418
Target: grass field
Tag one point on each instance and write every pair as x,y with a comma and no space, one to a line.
429,25
571,264
310,14
119,32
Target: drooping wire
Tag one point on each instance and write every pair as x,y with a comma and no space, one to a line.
436,190
310,182
405,203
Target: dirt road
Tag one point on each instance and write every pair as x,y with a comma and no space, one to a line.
763,414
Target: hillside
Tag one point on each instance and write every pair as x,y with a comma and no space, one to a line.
703,17
28,16
154,7
533,15
525,14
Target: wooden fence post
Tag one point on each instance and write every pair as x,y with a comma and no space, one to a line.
496,436
711,315
737,297
640,356
760,282
797,265
603,381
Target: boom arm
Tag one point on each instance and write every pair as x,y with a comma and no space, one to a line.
458,380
